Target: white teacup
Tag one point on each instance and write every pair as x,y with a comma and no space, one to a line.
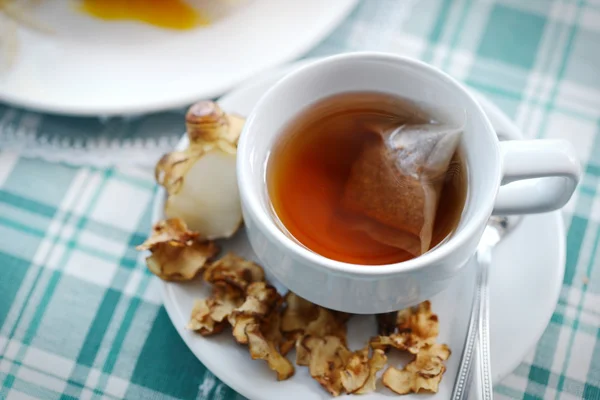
547,171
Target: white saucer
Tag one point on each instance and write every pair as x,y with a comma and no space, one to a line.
525,282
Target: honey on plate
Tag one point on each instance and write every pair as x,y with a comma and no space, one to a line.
170,14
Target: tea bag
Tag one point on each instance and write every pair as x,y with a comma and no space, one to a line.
395,184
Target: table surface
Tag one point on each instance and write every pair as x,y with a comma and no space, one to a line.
81,317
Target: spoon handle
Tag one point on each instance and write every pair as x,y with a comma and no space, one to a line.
484,257
464,377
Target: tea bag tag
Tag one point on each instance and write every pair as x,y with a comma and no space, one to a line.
423,150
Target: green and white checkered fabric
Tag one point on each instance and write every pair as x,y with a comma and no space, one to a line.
80,316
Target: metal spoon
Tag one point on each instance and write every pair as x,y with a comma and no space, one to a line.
496,229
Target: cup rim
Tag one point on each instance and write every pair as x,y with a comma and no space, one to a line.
265,223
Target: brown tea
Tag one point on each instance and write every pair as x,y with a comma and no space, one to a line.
334,184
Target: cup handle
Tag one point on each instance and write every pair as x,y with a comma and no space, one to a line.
538,176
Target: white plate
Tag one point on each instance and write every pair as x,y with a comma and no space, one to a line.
94,67
525,282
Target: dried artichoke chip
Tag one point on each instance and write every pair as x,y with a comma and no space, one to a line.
328,323
328,355
360,372
201,320
404,341
417,328
209,316
226,299
263,291
271,329
356,371
261,299
180,263
376,363
310,343
172,231
298,313
222,309
423,374
302,349
302,318
264,349
235,271
288,341
239,324
419,320
177,253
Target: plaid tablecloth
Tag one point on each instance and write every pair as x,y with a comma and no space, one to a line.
81,317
